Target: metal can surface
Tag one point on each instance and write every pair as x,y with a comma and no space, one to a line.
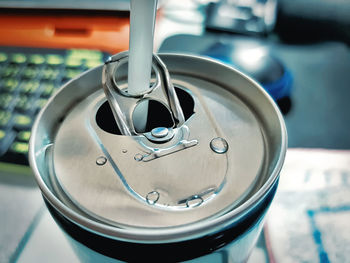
201,193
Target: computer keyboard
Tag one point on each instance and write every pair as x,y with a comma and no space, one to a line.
28,77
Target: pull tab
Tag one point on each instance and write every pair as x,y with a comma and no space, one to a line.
123,104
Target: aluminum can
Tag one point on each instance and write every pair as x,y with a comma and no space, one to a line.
194,185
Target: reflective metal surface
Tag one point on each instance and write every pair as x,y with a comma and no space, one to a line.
144,196
123,103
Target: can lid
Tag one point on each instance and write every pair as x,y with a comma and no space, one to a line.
223,156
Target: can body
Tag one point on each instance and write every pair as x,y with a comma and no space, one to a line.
227,236
231,245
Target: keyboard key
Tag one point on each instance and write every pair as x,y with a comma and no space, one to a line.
39,104
71,73
10,84
3,57
50,73
6,100
23,136
47,89
30,72
22,122
85,54
29,86
73,62
5,118
93,63
2,134
54,60
20,147
18,58
10,71
23,104
6,139
36,59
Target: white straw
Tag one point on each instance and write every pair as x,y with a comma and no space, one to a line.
142,20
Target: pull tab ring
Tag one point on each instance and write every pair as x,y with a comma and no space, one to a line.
123,103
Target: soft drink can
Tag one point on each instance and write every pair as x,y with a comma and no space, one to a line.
194,184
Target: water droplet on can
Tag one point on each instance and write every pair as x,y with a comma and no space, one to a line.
138,157
101,160
219,145
152,197
124,151
194,201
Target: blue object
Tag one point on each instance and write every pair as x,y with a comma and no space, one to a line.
280,88
257,62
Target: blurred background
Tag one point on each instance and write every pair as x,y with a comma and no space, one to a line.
297,50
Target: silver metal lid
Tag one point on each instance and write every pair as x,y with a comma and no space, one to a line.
215,166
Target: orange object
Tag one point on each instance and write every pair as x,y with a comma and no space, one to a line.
106,33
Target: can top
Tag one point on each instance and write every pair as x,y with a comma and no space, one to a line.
214,167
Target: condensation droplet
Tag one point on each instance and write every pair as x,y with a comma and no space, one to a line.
219,145
138,157
124,151
152,197
194,201
101,160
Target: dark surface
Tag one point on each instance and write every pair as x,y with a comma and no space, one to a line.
319,111
301,21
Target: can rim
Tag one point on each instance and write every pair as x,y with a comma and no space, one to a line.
166,234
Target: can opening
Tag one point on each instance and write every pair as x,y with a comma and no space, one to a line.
158,114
